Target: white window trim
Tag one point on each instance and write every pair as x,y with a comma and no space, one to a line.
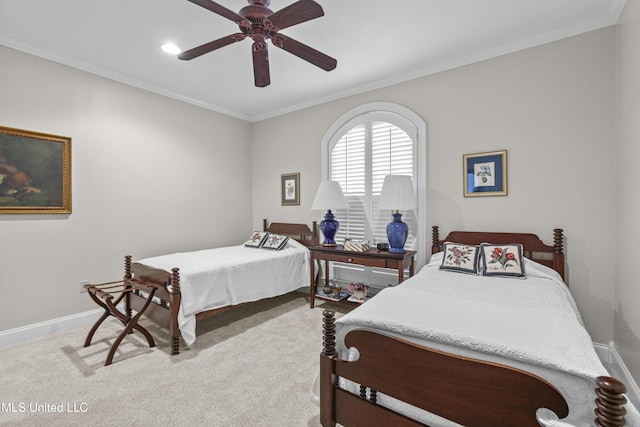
421,154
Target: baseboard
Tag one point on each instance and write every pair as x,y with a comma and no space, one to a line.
614,363
37,330
61,324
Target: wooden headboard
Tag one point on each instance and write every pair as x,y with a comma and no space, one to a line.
301,232
534,248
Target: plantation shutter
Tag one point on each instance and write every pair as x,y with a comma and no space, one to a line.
348,168
359,160
392,154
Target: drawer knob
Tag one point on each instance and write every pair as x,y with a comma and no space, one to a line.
350,260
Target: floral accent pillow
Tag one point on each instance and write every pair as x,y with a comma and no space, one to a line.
257,239
460,258
502,260
275,242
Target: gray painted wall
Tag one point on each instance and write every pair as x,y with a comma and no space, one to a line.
150,175
627,289
551,107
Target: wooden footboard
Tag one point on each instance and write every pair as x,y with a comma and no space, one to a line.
164,310
467,391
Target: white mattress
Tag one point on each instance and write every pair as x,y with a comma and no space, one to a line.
532,324
214,278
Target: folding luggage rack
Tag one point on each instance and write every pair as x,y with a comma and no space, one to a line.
108,296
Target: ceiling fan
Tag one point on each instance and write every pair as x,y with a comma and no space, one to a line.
259,23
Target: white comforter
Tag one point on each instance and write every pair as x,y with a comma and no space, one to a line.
532,324
220,277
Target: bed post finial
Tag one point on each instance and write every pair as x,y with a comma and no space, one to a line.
610,402
435,239
127,267
558,240
328,333
558,251
264,224
127,277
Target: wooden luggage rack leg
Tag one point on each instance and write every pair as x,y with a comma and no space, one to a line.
103,295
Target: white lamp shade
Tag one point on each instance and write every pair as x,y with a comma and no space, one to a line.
329,196
397,193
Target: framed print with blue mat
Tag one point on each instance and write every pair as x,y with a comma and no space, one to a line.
485,174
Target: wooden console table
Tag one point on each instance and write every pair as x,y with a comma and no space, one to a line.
370,258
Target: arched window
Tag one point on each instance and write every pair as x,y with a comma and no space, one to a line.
360,149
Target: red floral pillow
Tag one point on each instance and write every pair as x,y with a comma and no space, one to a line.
502,260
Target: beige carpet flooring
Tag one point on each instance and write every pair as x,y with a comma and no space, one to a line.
251,366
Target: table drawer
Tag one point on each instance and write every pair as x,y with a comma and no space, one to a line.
354,259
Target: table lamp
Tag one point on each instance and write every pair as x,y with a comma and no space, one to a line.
329,196
397,194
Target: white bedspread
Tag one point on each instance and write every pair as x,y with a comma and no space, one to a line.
214,278
532,324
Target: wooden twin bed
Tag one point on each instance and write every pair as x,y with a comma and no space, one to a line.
168,297
454,387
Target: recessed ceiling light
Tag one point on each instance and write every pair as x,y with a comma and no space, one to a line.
171,48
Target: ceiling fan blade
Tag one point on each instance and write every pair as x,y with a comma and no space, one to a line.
261,64
222,11
300,11
211,46
305,52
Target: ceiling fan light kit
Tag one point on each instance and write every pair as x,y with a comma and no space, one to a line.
259,23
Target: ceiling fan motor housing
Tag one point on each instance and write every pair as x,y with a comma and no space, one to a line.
264,3
255,12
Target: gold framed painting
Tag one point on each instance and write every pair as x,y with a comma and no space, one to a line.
290,189
485,174
35,172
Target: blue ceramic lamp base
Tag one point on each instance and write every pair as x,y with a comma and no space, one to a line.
329,227
397,232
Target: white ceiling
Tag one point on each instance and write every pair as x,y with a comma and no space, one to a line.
375,42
